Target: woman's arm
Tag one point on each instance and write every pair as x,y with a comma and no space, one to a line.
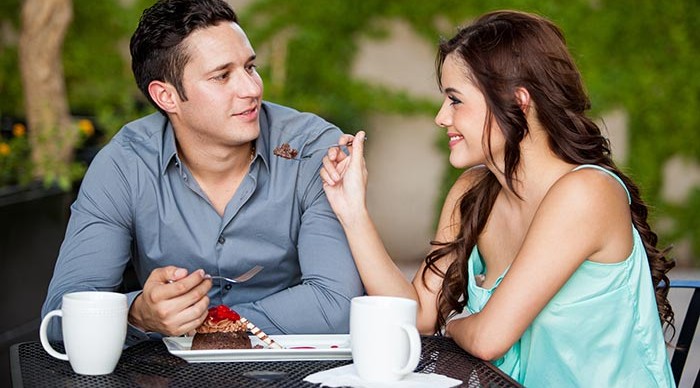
583,216
345,183
345,178
448,228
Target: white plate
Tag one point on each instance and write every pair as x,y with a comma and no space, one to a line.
296,348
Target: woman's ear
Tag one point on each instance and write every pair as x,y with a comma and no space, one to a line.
164,94
523,97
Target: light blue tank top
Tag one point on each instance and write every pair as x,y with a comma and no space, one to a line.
601,329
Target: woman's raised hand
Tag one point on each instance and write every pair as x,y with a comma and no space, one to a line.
345,177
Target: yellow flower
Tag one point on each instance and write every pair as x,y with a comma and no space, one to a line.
4,149
86,127
18,130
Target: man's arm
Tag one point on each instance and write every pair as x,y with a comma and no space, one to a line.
98,247
97,243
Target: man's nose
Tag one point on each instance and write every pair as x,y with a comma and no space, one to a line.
248,85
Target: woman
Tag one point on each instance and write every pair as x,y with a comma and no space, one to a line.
542,239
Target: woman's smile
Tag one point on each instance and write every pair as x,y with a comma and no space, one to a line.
454,139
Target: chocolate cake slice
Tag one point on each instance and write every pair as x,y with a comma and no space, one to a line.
285,151
222,329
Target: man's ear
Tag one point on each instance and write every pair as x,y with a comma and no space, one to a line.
164,94
523,97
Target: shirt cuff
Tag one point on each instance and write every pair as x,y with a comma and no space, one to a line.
135,335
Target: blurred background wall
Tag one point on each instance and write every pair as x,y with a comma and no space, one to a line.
629,66
361,64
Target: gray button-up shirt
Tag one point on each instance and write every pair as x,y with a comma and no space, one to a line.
138,202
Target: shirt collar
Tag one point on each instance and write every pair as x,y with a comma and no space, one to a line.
262,143
169,148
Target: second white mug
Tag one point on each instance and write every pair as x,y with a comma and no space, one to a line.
94,328
384,340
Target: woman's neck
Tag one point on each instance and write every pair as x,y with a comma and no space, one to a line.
539,168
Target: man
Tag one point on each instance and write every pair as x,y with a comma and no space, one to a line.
197,189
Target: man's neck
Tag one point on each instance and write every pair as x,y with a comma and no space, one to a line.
219,172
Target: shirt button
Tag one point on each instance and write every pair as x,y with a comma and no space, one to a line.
227,287
222,240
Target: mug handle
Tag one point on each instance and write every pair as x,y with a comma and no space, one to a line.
414,346
45,339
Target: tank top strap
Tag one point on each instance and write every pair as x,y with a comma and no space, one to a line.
612,174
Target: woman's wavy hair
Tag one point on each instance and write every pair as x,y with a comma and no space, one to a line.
502,51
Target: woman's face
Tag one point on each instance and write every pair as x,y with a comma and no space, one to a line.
463,114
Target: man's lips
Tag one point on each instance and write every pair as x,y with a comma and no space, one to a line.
247,112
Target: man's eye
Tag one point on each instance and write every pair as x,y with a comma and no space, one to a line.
222,76
454,100
251,68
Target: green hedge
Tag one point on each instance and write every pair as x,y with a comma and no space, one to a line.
639,56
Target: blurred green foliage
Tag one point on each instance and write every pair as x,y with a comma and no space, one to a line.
635,55
639,56
95,58
98,78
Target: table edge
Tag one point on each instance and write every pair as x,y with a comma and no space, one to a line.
15,367
502,373
17,380
489,364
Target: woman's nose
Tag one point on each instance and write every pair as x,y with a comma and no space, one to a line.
443,118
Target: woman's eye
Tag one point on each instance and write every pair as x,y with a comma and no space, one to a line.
251,68
454,100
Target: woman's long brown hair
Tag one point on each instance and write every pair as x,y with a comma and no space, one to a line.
502,51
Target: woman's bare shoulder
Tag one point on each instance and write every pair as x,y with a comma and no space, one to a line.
593,197
591,187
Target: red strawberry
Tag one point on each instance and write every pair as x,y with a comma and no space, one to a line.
221,312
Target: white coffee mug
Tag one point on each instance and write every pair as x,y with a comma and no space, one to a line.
383,336
94,330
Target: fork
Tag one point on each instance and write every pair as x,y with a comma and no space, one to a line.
238,279
309,153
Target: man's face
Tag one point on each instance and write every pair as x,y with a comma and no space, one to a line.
223,88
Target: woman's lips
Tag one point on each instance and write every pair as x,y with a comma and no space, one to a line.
454,139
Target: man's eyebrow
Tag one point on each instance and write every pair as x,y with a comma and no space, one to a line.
221,67
228,65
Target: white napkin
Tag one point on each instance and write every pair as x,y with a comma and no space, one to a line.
347,376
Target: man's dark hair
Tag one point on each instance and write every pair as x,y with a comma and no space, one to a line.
157,53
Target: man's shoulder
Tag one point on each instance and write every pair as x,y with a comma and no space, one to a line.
140,139
145,132
285,119
142,128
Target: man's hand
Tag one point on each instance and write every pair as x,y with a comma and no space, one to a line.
172,302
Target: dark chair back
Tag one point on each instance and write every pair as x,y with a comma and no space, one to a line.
687,332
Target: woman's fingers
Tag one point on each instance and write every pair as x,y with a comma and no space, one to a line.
336,162
345,139
357,149
329,169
